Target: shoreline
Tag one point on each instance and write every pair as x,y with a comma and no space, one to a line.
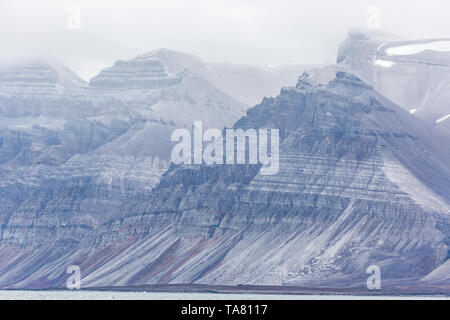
431,291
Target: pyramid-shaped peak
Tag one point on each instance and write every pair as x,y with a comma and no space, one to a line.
39,72
145,71
348,81
165,55
326,75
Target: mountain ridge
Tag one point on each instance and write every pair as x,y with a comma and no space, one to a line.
338,204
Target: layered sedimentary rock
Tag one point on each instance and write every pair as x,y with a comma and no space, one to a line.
143,72
73,154
361,182
36,88
249,84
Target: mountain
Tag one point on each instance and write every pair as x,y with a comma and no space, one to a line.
415,74
248,84
361,182
440,275
35,88
75,155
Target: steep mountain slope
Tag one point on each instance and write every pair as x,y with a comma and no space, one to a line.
355,188
440,275
75,160
413,74
361,182
73,154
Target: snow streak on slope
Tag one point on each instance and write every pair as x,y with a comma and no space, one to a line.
443,118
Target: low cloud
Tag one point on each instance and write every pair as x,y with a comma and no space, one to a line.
247,32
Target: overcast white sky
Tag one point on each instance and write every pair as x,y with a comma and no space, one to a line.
257,32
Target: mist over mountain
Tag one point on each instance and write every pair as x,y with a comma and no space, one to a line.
86,177
248,84
414,74
74,154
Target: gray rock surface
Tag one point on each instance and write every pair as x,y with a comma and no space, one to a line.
361,182
76,156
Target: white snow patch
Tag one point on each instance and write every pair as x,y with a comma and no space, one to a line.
384,63
415,189
441,273
412,111
442,46
443,118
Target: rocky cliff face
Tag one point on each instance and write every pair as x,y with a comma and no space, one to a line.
75,156
361,182
72,154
